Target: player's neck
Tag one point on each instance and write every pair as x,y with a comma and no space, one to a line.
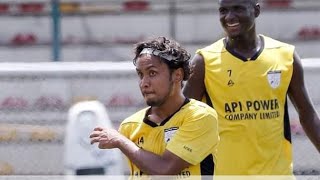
246,46
168,108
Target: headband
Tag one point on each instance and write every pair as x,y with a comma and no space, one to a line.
158,53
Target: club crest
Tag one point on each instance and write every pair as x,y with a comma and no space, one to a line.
274,78
168,133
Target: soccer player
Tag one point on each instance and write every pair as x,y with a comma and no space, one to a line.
246,77
174,135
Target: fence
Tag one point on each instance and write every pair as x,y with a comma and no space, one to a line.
35,98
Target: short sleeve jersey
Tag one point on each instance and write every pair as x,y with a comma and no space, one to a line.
190,133
250,97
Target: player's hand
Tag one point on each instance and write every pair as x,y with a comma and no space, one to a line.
106,138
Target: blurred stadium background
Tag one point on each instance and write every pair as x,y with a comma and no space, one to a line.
56,53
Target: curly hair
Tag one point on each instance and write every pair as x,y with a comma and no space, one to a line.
167,47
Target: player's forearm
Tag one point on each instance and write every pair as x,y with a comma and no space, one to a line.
312,129
147,162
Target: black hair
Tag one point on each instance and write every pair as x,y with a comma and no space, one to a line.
167,47
253,2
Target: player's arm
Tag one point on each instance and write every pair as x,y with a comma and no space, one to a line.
153,164
298,94
195,87
197,138
148,162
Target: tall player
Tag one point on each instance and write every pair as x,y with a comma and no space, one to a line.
246,77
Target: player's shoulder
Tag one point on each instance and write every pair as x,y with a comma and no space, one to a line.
198,108
135,118
271,43
216,47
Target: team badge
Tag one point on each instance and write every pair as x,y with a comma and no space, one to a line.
168,133
274,78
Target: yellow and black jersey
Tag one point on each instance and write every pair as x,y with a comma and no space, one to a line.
190,133
250,96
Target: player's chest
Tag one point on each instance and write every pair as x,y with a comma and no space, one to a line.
154,139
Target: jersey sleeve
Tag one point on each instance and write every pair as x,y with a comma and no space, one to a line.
123,129
196,138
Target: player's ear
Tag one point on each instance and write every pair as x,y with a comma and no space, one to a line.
257,10
178,75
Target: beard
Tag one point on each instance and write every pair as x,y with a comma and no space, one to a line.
154,102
